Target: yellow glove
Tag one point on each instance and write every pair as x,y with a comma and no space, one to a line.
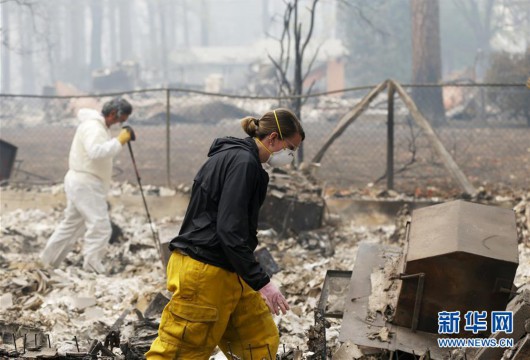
124,136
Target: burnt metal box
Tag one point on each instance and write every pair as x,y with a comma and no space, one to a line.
8,152
288,213
460,256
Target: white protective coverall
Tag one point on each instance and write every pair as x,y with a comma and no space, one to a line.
86,185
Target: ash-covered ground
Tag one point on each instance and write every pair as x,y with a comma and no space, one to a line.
68,301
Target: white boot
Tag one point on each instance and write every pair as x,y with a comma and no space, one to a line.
91,264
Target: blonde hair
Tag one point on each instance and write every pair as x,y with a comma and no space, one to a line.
266,125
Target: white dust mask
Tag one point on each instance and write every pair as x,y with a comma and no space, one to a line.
281,158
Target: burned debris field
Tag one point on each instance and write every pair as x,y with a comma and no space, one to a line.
67,312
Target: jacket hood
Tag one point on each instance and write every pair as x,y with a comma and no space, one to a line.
227,143
89,114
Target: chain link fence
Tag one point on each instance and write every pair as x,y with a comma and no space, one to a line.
485,128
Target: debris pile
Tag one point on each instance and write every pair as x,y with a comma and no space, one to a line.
522,215
518,200
74,307
149,107
294,203
68,301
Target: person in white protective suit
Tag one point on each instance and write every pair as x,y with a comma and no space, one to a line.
86,184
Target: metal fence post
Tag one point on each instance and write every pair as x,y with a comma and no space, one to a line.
390,138
168,127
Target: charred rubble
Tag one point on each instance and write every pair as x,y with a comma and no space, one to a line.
68,313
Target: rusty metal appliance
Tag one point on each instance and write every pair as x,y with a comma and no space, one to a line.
460,256
7,159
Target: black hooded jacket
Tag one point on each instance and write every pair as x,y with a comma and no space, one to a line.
221,221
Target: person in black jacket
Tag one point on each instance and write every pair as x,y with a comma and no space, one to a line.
221,294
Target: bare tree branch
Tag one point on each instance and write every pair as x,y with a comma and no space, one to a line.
291,39
309,91
283,62
35,14
311,25
311,62
293,28
288,34
284,82
297,58
362,15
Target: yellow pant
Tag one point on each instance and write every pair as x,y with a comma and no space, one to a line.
211,306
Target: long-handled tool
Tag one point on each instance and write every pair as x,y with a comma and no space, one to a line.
155,234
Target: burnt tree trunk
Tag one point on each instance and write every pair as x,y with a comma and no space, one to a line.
298,79
185,26
55,41
6,56
26,45
77,43
154,44
205,23
96,8
164,42
426,59
125,30
265,20
171,14
113,35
